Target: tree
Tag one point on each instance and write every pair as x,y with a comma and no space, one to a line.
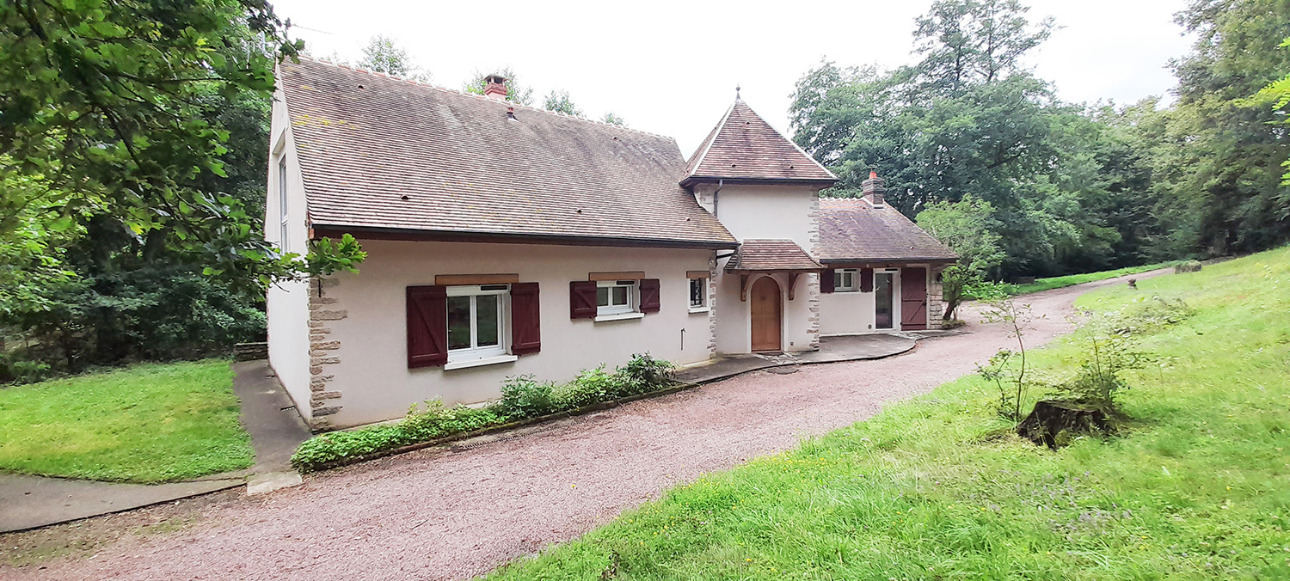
1278,94
968,118
382,55
559,102
515,92
1227,196
113,109
966,226
613,119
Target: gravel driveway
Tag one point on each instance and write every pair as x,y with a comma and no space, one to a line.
453,514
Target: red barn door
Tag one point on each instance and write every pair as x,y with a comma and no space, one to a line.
913,299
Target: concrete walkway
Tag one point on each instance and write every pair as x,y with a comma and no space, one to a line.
276,429
832,350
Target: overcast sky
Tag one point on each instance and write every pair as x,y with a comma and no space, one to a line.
671,67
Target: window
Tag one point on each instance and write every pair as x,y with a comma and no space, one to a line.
615,297
698,294
846,280
476,321
282,201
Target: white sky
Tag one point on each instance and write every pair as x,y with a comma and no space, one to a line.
670,67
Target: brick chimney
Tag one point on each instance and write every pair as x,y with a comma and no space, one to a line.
495,87
874,190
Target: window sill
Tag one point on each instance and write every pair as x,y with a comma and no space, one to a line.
694,310
494,360
619,317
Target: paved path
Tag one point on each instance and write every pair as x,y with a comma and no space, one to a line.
276,430
832,350
452,513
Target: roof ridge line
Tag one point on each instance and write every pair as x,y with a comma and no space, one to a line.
698,161
478,96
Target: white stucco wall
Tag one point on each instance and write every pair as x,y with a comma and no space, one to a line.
780,212
772,212
372,379
850,313
287,304
734,326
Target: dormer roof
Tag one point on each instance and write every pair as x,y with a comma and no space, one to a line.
744,148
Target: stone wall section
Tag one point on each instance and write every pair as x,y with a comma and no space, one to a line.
324,351
712,306
813,281
935,299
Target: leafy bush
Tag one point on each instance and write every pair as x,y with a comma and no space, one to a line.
645,373
522,397
525,397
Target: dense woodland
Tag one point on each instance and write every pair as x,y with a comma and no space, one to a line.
133,147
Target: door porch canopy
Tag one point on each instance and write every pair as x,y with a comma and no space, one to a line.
760,255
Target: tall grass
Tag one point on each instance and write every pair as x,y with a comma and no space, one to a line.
1197,486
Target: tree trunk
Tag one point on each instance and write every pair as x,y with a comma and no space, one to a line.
1056,423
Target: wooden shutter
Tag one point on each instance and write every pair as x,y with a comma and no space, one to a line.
826,280
427,326
649,289
526,331
866,280
582,299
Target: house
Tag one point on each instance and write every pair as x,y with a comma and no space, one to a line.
504,240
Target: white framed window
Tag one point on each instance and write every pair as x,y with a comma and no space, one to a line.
282,201
477,321
846,280
698,295
615,297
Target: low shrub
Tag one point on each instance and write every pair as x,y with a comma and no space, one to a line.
523,397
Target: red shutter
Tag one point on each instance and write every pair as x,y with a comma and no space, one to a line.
826,281
526,332
866,280
650,302
427,326
582,299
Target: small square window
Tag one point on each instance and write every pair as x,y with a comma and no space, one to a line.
846,280
615,297
476,324
698,293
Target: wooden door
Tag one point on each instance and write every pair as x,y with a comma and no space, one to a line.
913,299
766,315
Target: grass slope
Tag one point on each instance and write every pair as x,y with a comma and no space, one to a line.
1044,284
146,423
1198,487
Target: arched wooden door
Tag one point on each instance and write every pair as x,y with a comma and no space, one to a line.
767,315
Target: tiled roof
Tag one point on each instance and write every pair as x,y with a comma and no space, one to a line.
383,153
852,229
745,146
763,254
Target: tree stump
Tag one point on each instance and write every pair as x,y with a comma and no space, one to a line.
1056,423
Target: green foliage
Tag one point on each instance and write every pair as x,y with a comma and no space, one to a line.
523,397
1017,319
1196,488
967,227
145,423
559,102
383,55
114,109
613,119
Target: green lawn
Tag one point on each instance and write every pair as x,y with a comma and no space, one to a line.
1044,284
1197,486
146,423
